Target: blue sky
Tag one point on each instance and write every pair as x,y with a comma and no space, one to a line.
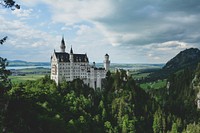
130,31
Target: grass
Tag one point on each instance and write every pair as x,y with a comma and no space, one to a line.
140,75
154,85
33,70
18,79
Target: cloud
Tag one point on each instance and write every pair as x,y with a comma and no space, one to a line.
131,31
170,45
82,29
151,21
162,52
138,22
24,38
23,13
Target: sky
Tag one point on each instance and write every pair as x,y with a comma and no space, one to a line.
130,31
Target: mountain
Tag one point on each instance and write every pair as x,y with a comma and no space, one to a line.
188,58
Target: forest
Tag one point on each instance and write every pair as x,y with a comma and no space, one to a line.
120,106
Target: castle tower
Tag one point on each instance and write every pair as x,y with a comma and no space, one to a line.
71,59
62,46
71,56
106,62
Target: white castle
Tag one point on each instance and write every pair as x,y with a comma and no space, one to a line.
70,66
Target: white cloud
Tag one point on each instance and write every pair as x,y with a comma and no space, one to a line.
23,13
171,45
129,30
70,12
65,28
24,37
82,29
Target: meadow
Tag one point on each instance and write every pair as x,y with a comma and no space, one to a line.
18,79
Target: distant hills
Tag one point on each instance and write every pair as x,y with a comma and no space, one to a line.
25,63
21,63
188,58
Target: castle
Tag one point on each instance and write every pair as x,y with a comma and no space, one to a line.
70,66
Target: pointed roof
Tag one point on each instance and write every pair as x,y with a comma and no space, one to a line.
71,51
62,46
62,41
65,57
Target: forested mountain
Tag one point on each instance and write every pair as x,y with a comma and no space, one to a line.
188,58
178,102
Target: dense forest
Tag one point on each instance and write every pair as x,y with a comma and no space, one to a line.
121,106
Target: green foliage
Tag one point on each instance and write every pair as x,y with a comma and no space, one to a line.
5,86
18,79
174,128
180,100
159,84
5,83
192,128
108,127
121,106
159,122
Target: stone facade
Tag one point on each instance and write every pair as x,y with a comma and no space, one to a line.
70,66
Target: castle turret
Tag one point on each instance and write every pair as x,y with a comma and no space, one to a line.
62,46
106,62
71,55
71,59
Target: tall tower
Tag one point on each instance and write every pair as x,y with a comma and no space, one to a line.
62,46
71,59
106,62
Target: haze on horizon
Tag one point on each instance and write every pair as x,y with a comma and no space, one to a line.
138,31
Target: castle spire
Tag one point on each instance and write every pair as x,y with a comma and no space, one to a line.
71,51
62,46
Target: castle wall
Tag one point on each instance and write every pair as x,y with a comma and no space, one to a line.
65,66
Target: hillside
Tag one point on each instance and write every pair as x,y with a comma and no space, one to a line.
188,58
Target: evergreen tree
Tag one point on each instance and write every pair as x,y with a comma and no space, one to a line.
174,128
5,86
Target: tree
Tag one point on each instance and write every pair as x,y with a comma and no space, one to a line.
5,83
174,128
157,122
10,4
193,128
108,127
3,40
